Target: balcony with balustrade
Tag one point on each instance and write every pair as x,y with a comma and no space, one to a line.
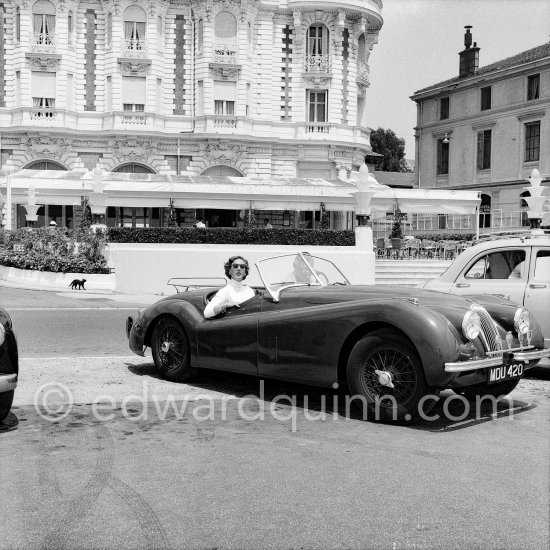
317,69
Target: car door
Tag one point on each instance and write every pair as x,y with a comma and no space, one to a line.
293,337
230,341
537,295
503,271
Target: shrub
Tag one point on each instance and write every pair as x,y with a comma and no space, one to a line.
224,235
446,236
54,249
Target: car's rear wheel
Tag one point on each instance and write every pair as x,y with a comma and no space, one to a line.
170,348
496,390
386,373
6,399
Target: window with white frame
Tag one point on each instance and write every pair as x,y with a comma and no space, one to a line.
533,87
135,22
317,40
43,22
484,138
43,94
532,141
317,105
133,94
224,98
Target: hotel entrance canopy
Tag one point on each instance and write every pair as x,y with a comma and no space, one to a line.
230,193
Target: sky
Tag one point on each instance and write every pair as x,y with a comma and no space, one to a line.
419,43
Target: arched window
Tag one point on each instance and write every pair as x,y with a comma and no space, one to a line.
135,20
43,21
134,168
225,26
70,28
45,165
317,40
109,29
18,25
222,170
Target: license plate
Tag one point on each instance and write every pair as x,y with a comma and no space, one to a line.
508,371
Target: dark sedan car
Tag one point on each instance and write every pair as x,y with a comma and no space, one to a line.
392,347
9,364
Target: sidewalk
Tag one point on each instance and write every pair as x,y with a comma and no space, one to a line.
88,294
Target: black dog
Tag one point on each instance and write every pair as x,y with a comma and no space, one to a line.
78,284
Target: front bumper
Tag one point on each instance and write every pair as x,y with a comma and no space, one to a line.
516,355
8,382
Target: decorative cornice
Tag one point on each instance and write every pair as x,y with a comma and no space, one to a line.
133,67
39,61
225,71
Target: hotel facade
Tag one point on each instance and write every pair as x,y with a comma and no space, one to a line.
161,96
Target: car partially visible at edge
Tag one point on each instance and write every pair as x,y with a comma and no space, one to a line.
516,268
9,364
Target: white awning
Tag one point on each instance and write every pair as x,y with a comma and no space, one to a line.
43,84
234,193
133,90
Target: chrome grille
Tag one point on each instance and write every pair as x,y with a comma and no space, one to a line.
489,332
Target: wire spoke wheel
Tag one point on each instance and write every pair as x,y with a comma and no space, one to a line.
170,349
385,371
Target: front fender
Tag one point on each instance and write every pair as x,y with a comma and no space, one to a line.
431,333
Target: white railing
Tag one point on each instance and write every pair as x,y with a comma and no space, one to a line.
317,64
225,122
43,43
225,55
134,118
42,114
317,128
133,47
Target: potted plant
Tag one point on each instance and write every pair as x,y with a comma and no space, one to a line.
396,234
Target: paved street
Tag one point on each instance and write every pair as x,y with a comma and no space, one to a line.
204,466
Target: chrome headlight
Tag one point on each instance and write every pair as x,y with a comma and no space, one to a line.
2,334
471,325
522,321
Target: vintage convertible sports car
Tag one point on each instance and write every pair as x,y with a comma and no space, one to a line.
392,347
9,363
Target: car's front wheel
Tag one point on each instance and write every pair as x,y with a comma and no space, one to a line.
385,372
170,349
6,399
497,390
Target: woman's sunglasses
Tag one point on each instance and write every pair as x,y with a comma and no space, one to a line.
236,266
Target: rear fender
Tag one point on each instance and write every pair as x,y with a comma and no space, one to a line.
185,313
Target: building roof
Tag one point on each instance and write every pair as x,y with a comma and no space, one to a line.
395,179
528,56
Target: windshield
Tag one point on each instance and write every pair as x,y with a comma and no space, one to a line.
299,269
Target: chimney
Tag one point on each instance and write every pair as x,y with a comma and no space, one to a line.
469,57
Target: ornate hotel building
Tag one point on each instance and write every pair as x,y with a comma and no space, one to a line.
170,90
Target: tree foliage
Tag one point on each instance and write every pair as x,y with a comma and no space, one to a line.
392,149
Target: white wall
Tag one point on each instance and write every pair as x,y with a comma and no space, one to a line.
146,268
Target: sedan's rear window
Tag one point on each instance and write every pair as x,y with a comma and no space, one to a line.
504,264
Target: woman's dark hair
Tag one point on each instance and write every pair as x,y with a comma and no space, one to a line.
227,266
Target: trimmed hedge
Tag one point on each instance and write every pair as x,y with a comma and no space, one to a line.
229,235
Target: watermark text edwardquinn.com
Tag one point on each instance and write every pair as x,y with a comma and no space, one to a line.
54,401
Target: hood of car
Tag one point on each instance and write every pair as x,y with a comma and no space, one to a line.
333,294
